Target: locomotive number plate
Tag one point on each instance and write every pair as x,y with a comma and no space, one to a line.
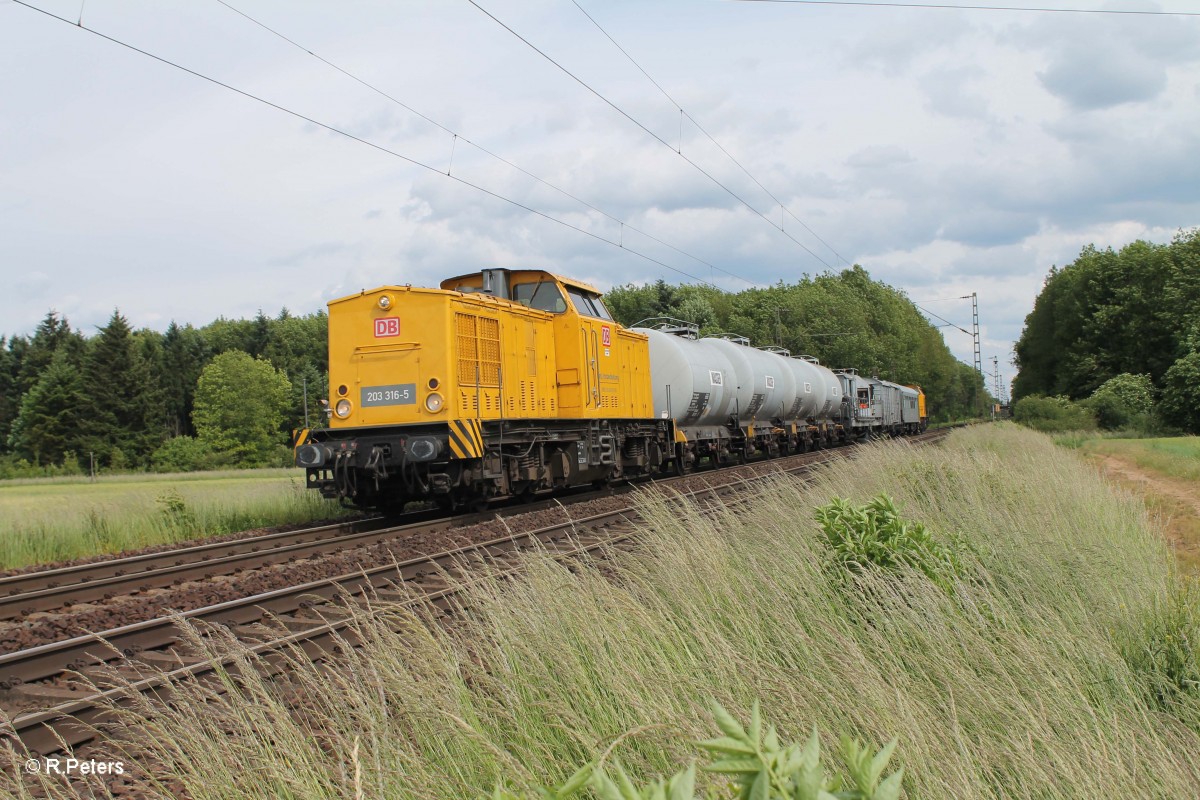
397,394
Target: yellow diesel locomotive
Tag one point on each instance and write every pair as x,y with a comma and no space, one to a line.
508,383
500,383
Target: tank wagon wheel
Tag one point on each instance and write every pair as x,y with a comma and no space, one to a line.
681,463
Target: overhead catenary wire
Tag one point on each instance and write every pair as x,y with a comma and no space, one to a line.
957,7
360,140
460,137
684,113
943,319
649,132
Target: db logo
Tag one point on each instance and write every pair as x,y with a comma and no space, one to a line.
606,335
387,326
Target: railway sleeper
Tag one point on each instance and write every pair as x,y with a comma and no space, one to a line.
56,692
168,658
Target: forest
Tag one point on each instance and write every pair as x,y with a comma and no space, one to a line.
1115,334
221,395
226,394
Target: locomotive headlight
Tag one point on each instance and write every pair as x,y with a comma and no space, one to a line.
433,402
342,409
385,302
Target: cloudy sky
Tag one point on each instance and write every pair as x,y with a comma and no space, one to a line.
947,151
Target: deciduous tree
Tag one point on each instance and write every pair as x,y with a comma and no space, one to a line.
240,406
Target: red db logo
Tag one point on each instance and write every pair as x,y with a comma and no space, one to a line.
387,326
606,335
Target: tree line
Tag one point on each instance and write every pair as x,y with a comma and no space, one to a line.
188,398
227,393
1114,337
844,320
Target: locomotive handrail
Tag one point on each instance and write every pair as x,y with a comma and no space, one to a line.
736,338
390,347
679,327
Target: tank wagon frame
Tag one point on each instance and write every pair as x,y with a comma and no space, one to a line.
508,383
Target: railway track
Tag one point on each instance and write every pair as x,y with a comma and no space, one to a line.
150,654
29,593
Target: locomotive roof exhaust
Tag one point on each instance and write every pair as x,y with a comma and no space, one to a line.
495,282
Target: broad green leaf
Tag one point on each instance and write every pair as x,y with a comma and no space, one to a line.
628,790
761,788
890,788
771,743
604,788
735,766
683,785
812,750
727,745
576,781
728,725
809,779
879,763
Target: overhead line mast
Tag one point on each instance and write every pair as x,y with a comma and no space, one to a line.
975,326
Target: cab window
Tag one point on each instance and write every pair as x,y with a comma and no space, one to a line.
543,295
589,305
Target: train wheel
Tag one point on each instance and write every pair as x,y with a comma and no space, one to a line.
682,465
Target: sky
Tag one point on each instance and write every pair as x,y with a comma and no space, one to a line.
947,151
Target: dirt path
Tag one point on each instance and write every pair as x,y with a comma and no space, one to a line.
1178,501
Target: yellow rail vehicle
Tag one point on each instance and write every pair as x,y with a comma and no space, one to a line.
500,383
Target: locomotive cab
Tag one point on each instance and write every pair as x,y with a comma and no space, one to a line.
500,382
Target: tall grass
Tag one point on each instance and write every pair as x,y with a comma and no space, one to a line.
1027,681
45,521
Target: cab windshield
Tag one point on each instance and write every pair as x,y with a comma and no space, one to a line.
543,295
588,304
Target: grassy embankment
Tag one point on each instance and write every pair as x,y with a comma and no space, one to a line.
1056,665
52,519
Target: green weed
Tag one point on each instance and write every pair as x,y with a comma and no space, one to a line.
876,535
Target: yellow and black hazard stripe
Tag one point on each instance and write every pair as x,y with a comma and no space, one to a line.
466,438
300,436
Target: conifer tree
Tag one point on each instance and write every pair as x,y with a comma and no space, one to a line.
52,334
9,401
47,427
118,403
184,354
